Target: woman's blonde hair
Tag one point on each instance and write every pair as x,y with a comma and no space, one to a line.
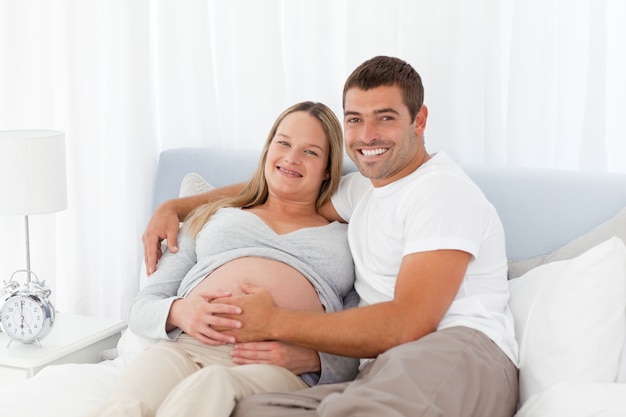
255,191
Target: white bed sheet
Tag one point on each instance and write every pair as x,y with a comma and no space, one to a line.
70,390
74,390
577,400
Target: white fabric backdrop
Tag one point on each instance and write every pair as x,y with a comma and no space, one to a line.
522,83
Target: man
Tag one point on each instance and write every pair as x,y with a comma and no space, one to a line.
431,273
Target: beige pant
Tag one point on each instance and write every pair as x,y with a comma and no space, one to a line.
188,378
456,372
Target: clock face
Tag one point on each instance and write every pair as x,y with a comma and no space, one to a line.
23,318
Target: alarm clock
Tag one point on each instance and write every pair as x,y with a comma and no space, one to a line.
26,314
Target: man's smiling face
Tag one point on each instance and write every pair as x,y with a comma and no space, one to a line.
380,136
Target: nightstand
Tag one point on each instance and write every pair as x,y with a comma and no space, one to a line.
73,339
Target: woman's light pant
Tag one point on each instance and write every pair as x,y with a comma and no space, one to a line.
188,378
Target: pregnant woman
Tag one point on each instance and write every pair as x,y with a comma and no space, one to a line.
270,236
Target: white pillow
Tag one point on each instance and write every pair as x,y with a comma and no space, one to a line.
193,184
621,372
578,400
570,319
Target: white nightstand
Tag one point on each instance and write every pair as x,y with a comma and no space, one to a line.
73,339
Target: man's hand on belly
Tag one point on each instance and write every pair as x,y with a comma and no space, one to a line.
197,315
257,313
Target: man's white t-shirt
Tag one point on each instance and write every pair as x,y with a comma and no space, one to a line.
435,207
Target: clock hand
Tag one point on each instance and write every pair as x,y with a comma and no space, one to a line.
26,322
22,313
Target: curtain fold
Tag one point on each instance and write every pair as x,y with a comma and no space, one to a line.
521,83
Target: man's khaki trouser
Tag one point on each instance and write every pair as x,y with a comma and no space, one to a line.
455,372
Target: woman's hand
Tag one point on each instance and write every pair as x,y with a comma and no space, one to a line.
165,221
295,358
196,316
163,225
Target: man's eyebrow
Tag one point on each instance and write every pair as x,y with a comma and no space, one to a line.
379,111
387,110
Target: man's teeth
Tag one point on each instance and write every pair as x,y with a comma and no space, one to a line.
373,152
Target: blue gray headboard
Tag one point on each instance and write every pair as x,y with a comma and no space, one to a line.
541,209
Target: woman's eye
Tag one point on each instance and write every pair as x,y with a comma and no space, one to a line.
311,152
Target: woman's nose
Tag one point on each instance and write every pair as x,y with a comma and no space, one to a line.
292,157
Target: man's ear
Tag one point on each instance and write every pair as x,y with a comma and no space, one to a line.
420,120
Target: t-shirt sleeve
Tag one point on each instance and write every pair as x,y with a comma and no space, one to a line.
451,217
352,187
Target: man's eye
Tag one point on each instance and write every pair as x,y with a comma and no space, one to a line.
352,120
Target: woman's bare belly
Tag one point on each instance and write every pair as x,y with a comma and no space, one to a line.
289,288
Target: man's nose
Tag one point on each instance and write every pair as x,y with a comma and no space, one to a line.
369,133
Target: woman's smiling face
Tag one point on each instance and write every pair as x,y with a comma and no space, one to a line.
297,157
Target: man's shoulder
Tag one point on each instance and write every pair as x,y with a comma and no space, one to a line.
354,183
352,188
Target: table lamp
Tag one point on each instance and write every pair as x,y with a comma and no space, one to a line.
32,176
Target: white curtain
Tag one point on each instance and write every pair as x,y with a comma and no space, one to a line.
522,83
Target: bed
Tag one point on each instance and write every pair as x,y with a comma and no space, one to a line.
565,232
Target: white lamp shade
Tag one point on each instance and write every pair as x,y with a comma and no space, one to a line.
32,172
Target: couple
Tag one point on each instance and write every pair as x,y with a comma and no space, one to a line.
433,326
